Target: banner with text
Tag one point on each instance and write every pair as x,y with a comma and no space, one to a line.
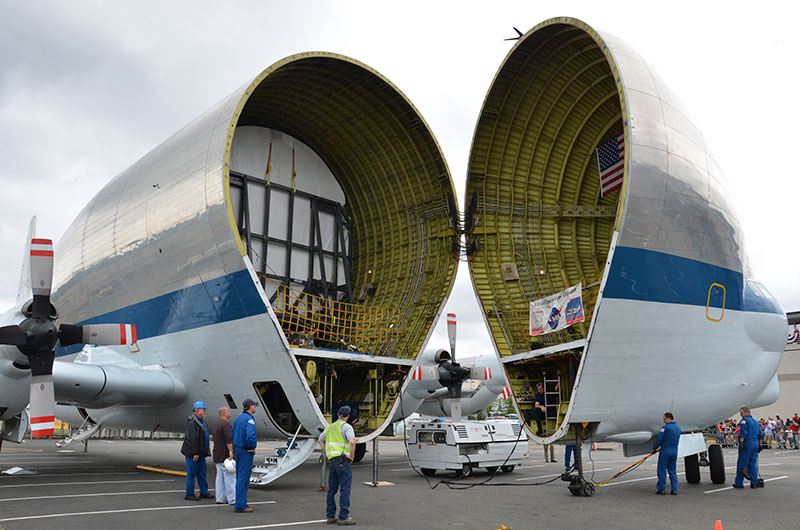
558,311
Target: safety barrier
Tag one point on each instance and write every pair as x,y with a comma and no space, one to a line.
323,322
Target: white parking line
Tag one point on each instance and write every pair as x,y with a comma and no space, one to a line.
553,475
731,487
36,485
276,525
94,495
71,474
101,512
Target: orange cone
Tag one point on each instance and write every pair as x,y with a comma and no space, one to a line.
718,525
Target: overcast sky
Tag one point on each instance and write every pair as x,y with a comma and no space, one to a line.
86,88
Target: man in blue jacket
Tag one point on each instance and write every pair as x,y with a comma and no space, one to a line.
244,447
750,436
667,440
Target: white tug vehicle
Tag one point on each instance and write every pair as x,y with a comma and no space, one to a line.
458,445
461,446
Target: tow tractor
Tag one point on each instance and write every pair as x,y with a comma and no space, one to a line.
461,446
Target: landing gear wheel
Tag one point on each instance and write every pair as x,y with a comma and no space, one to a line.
466,470
588,489
691,465
507,469
492,470
581,488
428,472
716,463
361,450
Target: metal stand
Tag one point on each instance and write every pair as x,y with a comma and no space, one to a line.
86,445
375,482
323,485
375,462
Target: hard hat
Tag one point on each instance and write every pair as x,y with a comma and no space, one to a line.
230,466
198,405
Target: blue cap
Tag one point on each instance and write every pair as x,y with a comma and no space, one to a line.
199,405
344,411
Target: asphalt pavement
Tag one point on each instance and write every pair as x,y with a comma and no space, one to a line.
101,488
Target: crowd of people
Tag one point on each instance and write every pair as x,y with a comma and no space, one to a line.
778,433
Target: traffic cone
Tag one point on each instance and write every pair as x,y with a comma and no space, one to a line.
718,525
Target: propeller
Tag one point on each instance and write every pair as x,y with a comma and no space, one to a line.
37,335
449,373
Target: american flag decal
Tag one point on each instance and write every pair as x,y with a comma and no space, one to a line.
611,161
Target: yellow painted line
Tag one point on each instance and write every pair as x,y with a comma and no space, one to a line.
162,471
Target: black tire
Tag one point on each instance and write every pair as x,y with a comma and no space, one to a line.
691,465
361,450
507,469
716,464
588,489
466,470
428,472
492,469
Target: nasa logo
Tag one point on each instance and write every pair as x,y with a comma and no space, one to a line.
555,316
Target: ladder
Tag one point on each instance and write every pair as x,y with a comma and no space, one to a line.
84,432
286,459
552,398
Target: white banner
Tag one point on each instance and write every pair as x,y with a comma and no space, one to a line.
558,311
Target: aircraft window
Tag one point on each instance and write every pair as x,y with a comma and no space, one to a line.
231,402
760,290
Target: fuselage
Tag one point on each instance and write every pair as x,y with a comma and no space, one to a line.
674,319
270,249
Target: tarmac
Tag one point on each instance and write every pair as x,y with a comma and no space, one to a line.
101,488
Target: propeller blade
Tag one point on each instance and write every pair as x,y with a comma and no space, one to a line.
42,406
109,334
425,373
69,334
41,266
451,334
481,373
506,392
13,335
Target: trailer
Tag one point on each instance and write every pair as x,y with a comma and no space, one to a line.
462,446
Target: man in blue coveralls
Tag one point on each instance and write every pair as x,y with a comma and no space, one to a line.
750,436
244,448
667,440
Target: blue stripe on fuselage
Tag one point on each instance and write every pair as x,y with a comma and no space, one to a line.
226,298
647,275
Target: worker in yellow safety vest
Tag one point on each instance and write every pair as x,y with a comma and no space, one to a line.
338,442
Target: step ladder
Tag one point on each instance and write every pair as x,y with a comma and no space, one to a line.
286,459
84,432
552,399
